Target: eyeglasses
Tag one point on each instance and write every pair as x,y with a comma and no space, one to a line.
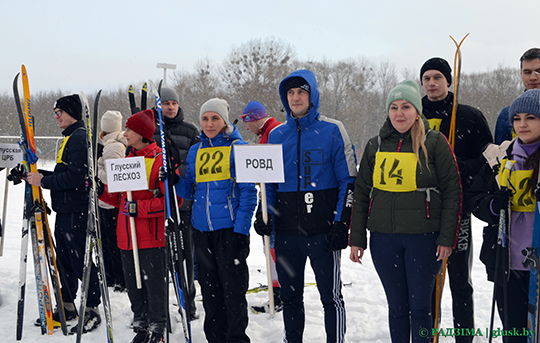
57,113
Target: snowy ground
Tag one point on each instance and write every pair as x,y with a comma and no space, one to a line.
364,299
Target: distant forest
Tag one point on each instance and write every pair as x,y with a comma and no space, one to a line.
353,91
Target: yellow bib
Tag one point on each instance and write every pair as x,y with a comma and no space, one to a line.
522,200
213,164
61,150
395,171
435,124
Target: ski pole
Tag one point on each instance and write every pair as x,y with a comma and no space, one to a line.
135,247
264,209
504,174
3,224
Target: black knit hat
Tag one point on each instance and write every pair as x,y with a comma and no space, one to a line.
439,64
71,104
297,82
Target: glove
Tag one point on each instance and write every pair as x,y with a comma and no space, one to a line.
163,176
537,192
130,208
260,227
100,187
338,237
500,200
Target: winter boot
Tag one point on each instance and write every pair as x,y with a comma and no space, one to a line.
69,312
141,336
91,320
155,337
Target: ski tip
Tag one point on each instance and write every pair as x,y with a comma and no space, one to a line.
130,90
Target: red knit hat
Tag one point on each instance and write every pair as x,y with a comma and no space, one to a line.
142,123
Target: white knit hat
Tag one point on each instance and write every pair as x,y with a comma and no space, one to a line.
217,105
111,121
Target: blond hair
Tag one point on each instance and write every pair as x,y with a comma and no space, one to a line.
418,135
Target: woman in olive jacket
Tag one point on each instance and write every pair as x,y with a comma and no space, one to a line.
408,194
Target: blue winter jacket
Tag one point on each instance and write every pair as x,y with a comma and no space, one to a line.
218,204
320,168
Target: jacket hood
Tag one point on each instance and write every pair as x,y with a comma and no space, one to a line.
314,101
222,138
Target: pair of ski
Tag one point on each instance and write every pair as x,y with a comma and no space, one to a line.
93,234
173,233
36,223
441,276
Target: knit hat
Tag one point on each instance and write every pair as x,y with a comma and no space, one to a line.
111,121
253,112
168,94
142,123
406,90
71,104
439,64
528,102
217,105
297,82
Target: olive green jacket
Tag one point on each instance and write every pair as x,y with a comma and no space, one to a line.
434,207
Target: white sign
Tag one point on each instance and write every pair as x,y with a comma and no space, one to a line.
259,163
126,174
10,155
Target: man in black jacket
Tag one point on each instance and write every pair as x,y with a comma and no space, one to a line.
472,135
70,202
181,136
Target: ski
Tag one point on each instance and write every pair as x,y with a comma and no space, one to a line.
33,220
44,234
264,288
93,236
441,276
144,96
131,97
173,234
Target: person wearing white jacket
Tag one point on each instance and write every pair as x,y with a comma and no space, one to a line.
114,146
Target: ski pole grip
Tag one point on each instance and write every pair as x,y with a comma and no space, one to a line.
133,231
504,173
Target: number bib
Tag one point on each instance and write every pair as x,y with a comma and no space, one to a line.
213,164
522,200
395,171
435,124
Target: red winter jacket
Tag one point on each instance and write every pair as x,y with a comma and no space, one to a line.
150,220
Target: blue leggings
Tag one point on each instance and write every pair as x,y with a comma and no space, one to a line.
407,267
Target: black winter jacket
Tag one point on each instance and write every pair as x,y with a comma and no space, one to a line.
472,135
66,182
183,135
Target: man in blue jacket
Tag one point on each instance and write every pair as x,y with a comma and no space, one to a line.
311,210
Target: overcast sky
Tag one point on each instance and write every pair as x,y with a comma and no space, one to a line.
84,46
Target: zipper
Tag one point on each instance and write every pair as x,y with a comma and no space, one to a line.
298,168
393,206
230,207
208,207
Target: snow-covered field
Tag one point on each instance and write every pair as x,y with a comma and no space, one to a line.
364,298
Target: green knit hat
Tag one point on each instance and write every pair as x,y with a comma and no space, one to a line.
406,90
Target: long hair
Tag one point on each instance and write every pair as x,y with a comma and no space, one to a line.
418,133
533,162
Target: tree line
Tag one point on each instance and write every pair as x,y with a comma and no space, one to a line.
353,91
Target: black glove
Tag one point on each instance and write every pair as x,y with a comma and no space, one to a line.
163,175
260,227
338,237
500,200
537,192
100,187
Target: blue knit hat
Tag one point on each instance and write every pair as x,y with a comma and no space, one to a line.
528,102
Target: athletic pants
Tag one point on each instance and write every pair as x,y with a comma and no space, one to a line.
223,277
70,235
407,267
292,251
